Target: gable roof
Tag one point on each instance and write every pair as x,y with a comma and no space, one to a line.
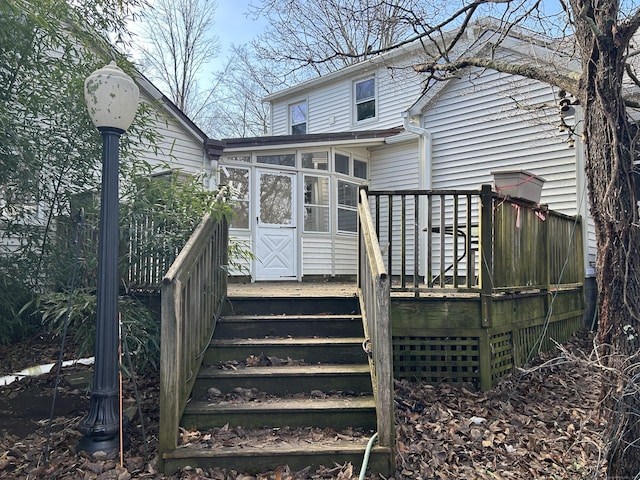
390,57
518,45
169,107
482,35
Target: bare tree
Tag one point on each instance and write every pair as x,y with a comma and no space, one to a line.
319,36
302,40
177,43
238,110
600,41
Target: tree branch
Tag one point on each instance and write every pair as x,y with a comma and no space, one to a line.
568,82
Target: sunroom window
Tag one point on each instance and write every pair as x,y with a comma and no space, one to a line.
241,157
341,163
359,169
347,206
315,160
365,99
298,116
316,203
237,179
285,160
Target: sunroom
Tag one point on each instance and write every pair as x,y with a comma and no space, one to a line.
295,200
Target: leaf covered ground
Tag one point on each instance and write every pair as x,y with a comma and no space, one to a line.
539,423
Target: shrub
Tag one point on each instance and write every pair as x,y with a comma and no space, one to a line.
17,324
140,329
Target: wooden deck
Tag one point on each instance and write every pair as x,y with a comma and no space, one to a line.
465,319
441,336
332,288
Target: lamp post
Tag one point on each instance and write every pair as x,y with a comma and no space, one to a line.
112,100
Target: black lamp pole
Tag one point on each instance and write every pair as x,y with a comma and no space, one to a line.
102,424
112,100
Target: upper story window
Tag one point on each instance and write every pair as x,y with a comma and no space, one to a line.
298,118
365,99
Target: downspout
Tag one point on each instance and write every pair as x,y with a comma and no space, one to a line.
425,180
213,150
424,165
210,171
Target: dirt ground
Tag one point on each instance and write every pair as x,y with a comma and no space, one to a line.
539,423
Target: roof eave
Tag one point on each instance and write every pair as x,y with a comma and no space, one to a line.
357,138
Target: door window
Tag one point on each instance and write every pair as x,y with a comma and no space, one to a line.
275,199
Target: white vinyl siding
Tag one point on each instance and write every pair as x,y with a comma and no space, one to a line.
345,255
315,252
477,128
176,147
330,105
395,167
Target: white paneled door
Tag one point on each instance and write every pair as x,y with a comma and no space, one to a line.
276,237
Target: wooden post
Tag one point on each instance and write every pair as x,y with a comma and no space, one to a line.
384,363
484,346
485,249
547,254
169,372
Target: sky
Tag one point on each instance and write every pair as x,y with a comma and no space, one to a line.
233,27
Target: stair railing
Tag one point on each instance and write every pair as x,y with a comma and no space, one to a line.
374,293
193,292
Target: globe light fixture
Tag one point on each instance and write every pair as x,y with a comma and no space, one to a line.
112,100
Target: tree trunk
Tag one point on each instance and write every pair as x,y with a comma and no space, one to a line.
609,145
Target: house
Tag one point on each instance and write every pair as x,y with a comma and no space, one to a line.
431,156
373,124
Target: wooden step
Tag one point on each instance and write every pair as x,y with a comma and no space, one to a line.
259,326
256,459
312,376
238,305
337,413
310,350
285,380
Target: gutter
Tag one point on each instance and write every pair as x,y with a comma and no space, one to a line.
424,165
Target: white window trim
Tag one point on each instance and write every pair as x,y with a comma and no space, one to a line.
354,105
249,170
290,117
344,207
328,206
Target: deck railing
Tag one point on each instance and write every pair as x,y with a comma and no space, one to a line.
373,286
193,292
474,240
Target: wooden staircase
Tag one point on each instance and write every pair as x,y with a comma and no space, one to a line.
302,364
